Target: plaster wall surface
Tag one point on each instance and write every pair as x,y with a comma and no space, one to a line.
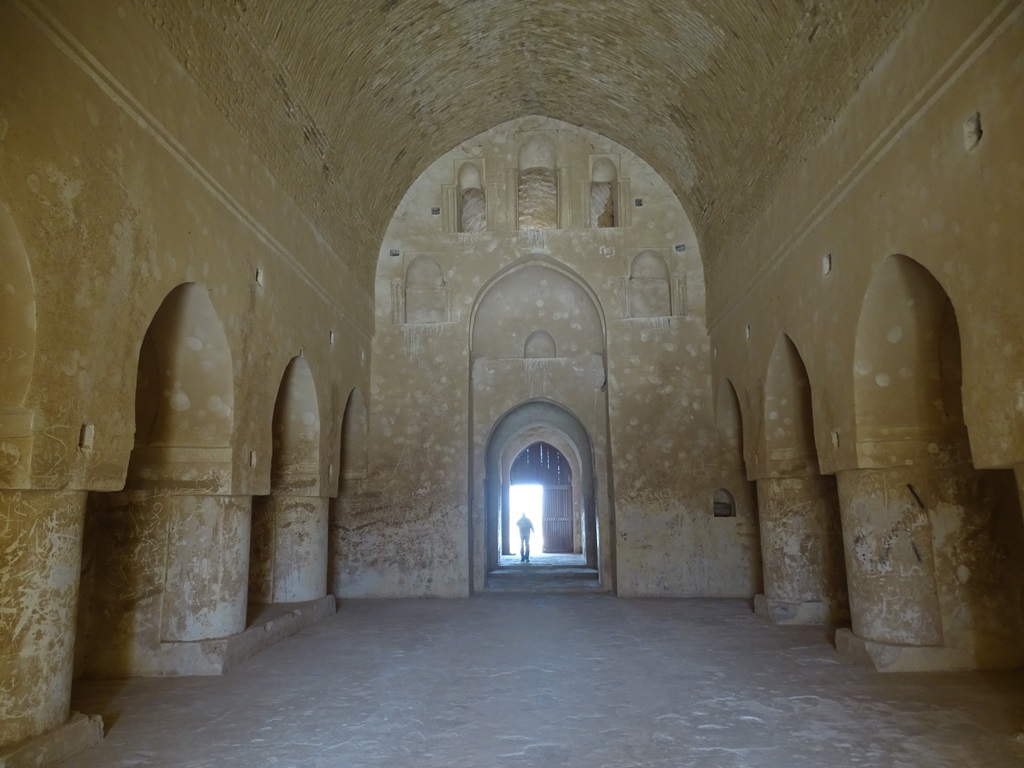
884,257
640,385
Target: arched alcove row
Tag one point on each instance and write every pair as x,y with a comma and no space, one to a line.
182,553
921,526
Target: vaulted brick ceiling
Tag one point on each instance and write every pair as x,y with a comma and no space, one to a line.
348,101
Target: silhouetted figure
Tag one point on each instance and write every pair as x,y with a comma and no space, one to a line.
525,529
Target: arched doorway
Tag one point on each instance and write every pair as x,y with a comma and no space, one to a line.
542,466
537,366
540,423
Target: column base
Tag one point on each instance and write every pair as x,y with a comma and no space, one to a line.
76,735
267,625
892,657
781,612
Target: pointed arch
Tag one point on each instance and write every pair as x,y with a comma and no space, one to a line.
907,375
354,438
295,463
530,293
185,386
788,417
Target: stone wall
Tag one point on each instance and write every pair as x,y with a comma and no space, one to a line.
630,362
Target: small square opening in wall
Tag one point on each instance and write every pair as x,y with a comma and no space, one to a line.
826,264
638,202
395,253
680,247
435,211
972,131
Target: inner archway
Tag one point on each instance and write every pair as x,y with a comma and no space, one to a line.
541,432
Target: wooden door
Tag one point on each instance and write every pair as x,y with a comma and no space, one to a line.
557,516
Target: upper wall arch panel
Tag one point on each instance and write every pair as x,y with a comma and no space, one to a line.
536,296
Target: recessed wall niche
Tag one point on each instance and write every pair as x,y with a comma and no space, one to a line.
537,184
539,344
472,201
603,198
649,293
423,295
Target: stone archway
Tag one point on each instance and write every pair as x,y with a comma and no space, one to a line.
551,418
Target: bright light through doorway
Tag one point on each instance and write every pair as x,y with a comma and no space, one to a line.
528,499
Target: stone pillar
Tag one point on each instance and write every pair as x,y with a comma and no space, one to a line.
289,554
933,557
171,568
40,558
890,567
801,547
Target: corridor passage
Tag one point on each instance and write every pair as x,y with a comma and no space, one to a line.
555,680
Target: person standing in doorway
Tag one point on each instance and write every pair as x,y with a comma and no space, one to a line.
525,529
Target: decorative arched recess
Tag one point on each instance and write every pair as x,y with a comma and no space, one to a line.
17,355
184,401
559,420
354,436
295,463
729,426
907,374
530,293
924,529
788,419
650,293
426,295
538,186
472,202
603,197
804,572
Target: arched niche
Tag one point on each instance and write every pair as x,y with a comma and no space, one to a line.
728,417
515,302
17,354
649,291
472,202
723,504
603,203
540,344
295,463
788,420
426,296
538,188
563,429
354,436
185,387
907,375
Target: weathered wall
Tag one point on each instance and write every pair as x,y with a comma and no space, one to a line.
630,363
120,181
902,172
